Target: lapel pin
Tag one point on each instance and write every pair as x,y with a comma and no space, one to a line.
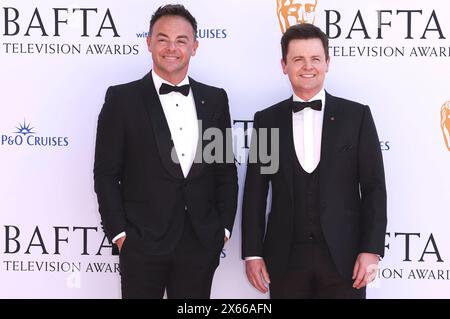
203,102
332,118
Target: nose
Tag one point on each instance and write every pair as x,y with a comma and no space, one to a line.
171,45
307,65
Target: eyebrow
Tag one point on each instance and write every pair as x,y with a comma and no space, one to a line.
301,56
178,37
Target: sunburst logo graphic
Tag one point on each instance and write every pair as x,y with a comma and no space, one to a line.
24,129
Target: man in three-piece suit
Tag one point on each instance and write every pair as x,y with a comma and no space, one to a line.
167,209
326,227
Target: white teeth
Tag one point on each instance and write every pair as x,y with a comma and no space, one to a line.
307,75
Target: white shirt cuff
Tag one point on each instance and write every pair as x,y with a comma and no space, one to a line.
253,258
227,233
122,234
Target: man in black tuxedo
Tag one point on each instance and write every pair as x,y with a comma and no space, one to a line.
167,208
326,227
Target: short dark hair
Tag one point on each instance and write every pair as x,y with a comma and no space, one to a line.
173,10
303,31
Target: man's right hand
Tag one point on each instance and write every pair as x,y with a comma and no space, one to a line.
257,274
119,243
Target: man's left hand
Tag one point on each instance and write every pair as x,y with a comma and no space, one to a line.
365,270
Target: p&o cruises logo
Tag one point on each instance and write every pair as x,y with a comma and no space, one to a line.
25,134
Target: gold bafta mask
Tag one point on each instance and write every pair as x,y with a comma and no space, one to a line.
291,12
445,123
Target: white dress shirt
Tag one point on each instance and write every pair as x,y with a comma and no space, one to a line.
181,116
307,133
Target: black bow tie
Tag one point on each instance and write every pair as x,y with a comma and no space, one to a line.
298,106
166,88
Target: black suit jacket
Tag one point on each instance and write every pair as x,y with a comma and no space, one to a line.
352,188
141,190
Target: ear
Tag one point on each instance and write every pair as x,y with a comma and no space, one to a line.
283,66
328,64
194,50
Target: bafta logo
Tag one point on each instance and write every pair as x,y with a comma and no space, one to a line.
445,123
291,12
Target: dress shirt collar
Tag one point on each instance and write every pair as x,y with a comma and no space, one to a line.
319,96
157,80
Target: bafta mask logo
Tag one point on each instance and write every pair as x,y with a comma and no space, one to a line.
445,123
291,12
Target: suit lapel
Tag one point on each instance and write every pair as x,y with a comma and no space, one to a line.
204,121
287,145
160,127
330,130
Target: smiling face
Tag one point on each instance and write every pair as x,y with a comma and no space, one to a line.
306,66
172,43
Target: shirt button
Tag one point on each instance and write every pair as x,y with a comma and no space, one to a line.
176,104
182,154
181,128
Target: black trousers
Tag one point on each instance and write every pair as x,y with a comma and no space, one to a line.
185,273
311,274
